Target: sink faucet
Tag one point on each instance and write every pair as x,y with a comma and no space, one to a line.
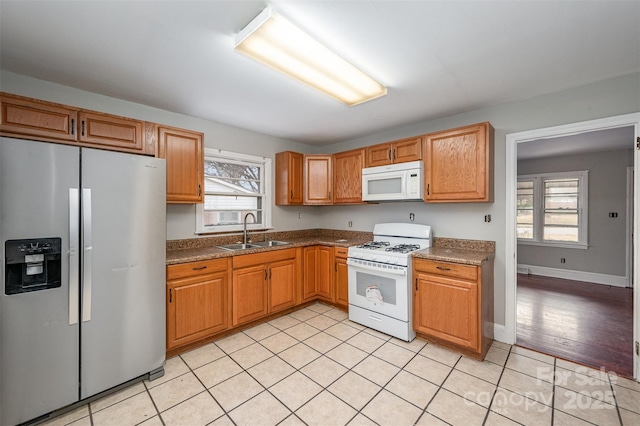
244,238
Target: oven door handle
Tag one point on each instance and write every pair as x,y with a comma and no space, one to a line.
364,264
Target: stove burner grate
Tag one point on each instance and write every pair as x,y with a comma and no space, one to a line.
403,248
374,245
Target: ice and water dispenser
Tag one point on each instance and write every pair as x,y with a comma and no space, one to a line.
32,264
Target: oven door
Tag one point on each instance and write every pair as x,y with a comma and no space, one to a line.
381,290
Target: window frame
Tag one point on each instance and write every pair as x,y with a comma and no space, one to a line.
539,209
265,163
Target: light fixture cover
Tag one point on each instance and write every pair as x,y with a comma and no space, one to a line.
274,41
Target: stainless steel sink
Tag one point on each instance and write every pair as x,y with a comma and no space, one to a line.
270,243
238,246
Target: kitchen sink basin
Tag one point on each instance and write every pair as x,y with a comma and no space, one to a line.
238,246
270,243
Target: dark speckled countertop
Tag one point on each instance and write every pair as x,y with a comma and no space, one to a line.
198,249
471,252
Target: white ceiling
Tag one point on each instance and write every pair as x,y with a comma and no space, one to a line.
601,140
437,58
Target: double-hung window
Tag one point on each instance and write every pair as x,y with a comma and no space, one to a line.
234,186
552,209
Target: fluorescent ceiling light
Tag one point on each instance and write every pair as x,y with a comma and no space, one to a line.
274,41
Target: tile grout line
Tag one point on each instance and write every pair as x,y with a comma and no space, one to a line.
495,391
146,388
424,410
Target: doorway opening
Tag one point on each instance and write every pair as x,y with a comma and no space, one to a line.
547,140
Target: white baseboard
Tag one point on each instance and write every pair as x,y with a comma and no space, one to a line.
590,277
500,333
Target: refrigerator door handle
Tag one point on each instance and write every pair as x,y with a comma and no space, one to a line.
74,266
87,256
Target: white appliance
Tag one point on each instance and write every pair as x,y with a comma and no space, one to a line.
379,281
82,268
402,181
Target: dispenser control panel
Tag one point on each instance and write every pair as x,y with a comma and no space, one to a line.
32,264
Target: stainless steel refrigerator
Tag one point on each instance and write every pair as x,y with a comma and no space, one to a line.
82,308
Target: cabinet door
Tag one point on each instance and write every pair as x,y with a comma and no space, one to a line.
447,309
342,282
459,165
39,119
196,308
309,276
116,133
407,150
347,176
249,294
184,152
317,179
282,285
378,155
324,272
289,171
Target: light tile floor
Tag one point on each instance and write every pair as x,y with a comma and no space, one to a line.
316,367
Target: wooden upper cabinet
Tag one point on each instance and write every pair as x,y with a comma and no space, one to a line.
347,176
317,179
459,165
29,117
400,151
289,169
184,152
108,130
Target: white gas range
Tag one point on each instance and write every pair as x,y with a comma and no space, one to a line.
380,295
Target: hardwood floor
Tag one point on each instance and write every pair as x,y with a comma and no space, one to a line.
591,324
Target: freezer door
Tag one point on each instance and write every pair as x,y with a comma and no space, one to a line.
123,289
39,348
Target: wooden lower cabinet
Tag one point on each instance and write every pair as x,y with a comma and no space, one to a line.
249,294
341,277
453,304
264,283
197,301
318,274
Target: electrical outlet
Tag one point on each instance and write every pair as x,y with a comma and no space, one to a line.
613,214
487,218
563,260
350,223
412,217
299,215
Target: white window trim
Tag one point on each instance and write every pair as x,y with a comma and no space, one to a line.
538,209
267,195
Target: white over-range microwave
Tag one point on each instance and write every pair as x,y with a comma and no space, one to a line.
402,181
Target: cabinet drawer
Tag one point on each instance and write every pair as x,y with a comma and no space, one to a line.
245,260
340,252
191,269
465,272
